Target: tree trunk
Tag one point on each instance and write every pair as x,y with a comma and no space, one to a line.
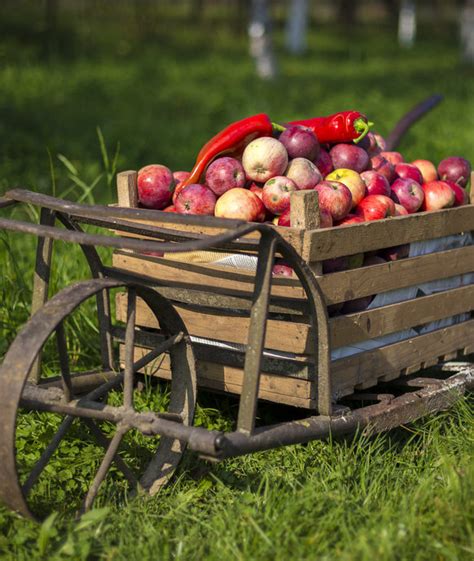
297,25
407,23
261,46
467,32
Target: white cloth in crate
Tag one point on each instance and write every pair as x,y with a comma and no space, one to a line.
248,262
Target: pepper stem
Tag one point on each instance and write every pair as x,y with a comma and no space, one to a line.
278,128
362,127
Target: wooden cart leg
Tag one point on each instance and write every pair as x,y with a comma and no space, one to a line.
42,275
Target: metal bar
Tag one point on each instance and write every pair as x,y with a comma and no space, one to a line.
256,334
100,211
46,455
119,242
64,362
41,278
104,467
105,443
129,348
167,234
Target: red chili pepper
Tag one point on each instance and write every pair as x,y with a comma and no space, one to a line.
341,127
231,140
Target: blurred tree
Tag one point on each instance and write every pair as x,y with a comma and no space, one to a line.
50,25
467,31
347,11
297,25
261,45
407,23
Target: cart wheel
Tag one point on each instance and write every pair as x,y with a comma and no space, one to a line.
47,420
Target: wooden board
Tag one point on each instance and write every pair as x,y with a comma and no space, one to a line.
348,374
368,236
299,338
337,287
288,391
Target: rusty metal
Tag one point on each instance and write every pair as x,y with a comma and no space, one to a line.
18,393
81,396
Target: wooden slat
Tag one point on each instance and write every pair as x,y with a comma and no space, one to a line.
369,236
347,285
409,354
211,276
337,287
229,328
127,194
346,330
298,338
289,391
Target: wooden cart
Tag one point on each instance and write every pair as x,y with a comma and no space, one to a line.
239,330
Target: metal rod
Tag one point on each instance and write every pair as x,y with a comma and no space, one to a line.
105,443
256,334
64,362
46,455
129,348
104,468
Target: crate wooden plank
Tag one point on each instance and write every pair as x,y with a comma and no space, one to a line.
298,337
204,276
369,236
346,330
229,328
365,281
337,287
226,378
409,354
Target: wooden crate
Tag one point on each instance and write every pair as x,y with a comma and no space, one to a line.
290,334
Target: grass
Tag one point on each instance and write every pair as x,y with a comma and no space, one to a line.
408,494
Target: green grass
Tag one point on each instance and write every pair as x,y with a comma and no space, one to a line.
407,495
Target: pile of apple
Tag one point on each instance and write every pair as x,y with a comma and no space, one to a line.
355,183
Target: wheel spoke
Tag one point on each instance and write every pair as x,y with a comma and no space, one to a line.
105,443
129,349
64,362
103,468
46,455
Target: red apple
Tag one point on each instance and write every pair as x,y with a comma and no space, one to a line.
282,270
409,171
384,167
393,157
408,193
304,173
195,199
349,156
180,176
427,169
400,210
335,198
325,218
375,183
283,219
300,142
223,174
155,186
375,207
352,180
324,163
170,208
276,193
350,219
460,195
455,169
264,158
438,195
239,203
395,253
